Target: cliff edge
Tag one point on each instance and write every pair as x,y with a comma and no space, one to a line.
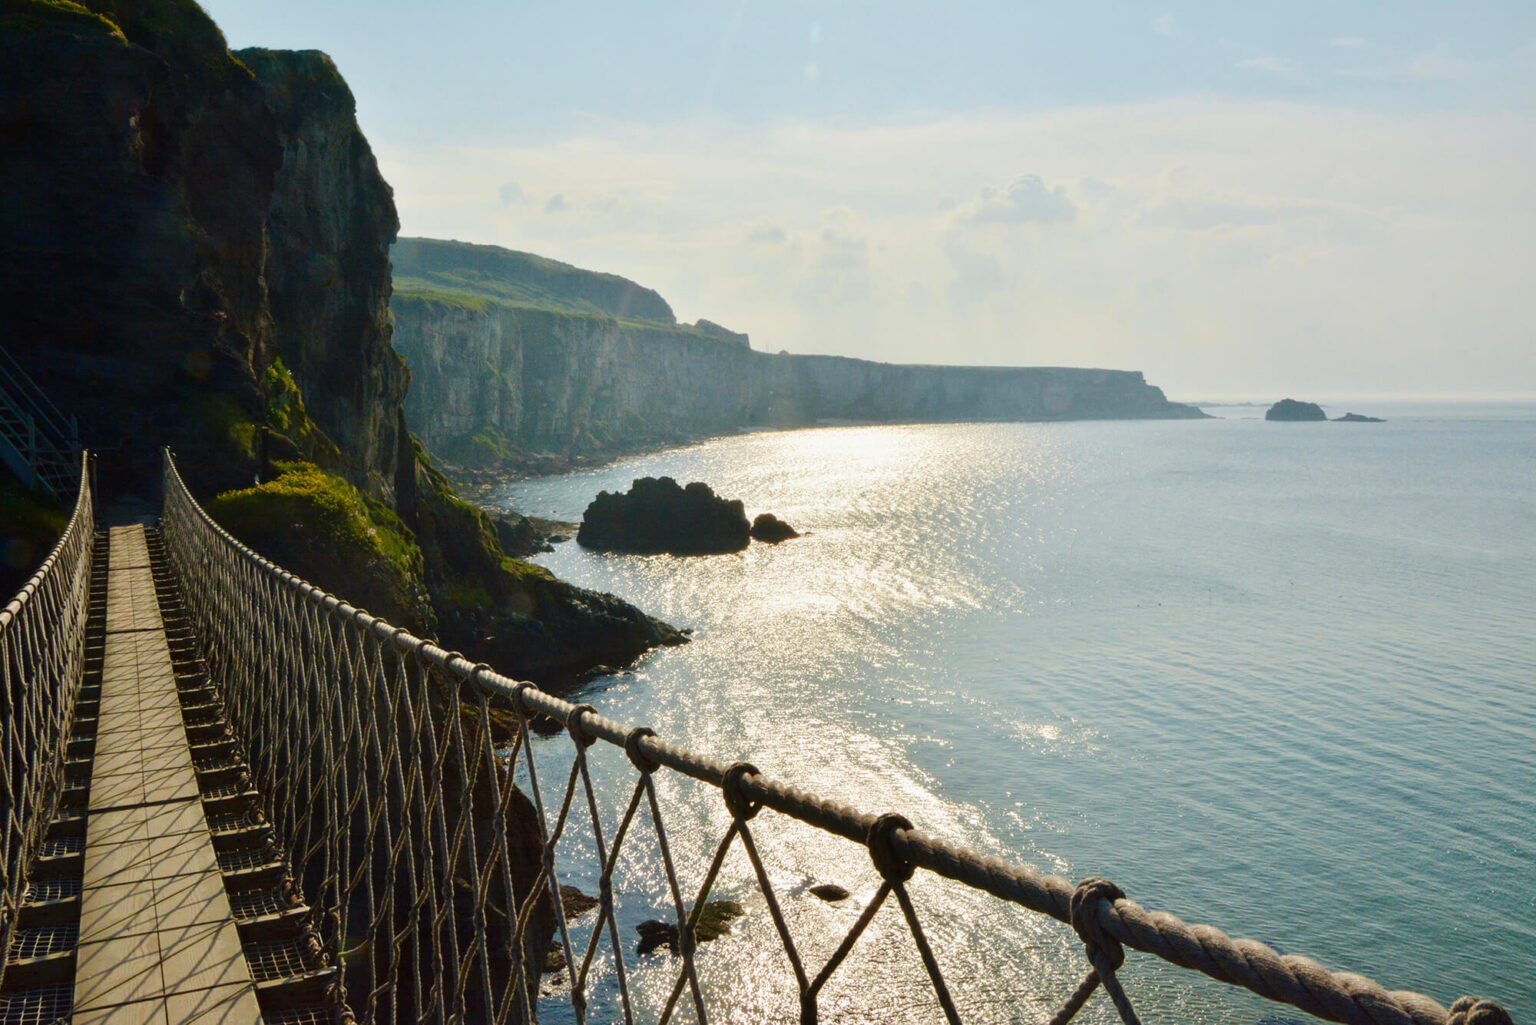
508,366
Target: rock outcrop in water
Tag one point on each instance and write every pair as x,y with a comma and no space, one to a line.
1358,418
512,363
1291,409
657,515
768,528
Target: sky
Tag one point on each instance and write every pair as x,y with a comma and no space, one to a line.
1241,200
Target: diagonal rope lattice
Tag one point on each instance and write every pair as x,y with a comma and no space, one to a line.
42,654
389,768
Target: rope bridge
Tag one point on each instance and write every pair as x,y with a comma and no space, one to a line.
388,768
42,654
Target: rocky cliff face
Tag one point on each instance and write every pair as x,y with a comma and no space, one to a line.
493,382
330,220
194,251
136,161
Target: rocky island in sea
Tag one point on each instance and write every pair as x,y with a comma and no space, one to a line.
1296,411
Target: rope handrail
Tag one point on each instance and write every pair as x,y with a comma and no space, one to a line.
42,656
1103,918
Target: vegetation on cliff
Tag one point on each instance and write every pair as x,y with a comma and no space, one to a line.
318,526
521,279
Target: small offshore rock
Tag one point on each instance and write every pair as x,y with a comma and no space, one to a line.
1357,418
655,933
575,902
769,528
554,960
657,515
1292,410
714,922
829,892
545,725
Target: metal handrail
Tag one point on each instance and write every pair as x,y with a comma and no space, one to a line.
24,389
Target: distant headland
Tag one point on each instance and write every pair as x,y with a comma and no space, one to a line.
518,361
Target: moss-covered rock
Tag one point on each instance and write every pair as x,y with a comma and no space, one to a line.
318,526
509,613
714,922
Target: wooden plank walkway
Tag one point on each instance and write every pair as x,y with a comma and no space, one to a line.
158,943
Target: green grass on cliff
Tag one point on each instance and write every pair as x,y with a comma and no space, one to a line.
318,526
26,15
435,298
523,279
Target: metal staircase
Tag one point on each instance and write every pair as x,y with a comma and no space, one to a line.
39,444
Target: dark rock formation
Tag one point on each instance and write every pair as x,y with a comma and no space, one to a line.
525,378
829,892
656,515
714,922
574,902
1358,418
1291,409
769,528
137,159
330,222
519,537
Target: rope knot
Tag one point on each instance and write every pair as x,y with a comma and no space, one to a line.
1092,894
741,807
1471,1011
892,867
638,758
517,696
573,724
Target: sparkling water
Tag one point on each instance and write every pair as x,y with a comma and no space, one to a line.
1279,678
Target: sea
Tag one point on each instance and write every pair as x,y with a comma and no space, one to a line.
1279,678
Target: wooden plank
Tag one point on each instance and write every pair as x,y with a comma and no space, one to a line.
157,940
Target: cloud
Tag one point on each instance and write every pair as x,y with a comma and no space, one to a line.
556,204
1282,66
1205,215
1340,245
767,235
842,252
1023,200
1349,42
510,192
1166,25
977,275
1431,65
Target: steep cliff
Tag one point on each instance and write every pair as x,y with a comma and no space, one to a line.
500,374
330,221
194,252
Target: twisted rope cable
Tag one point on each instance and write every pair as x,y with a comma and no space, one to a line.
1291,979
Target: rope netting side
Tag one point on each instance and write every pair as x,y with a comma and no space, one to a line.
380,774
42,654
361,757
